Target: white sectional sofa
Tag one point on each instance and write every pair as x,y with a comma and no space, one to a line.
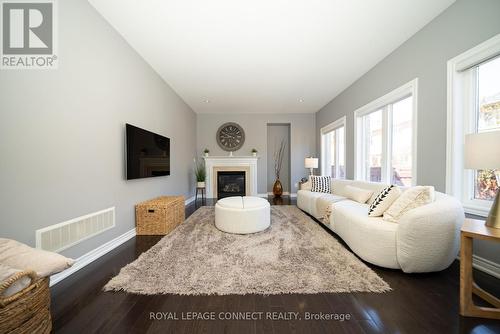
425,239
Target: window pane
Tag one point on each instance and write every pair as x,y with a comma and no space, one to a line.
332,154
485,185
372,133
402,114
488,119
341,149
327,151
489,95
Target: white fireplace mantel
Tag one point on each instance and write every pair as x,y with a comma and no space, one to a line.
247,163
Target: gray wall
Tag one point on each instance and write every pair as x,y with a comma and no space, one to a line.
462,26
302,137
276,133
62,132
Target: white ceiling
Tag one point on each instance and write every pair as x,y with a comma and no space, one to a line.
264,56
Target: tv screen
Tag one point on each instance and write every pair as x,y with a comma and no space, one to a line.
148,154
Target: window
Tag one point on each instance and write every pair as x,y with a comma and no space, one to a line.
473,107
333,149
386,138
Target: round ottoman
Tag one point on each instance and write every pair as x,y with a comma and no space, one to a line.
242,215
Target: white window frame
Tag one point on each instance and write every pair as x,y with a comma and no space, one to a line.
461,120
385,102
341,122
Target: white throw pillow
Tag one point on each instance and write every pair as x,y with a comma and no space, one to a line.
321,184
7,272
357,194
384,200
410,199
20,256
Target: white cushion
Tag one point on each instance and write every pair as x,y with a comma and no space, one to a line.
410,199
20,256
338,187
7,272
384,200
358,194
235,202
371,238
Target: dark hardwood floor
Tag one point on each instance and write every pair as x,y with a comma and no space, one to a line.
419,303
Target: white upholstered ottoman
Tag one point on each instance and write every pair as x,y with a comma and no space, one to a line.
242,215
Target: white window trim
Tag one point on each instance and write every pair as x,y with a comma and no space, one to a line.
458,108
410,88
341,122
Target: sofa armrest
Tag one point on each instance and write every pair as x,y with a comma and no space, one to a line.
306,185
428,237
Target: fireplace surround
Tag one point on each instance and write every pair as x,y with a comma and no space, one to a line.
216,164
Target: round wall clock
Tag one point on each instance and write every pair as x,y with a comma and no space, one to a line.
230,136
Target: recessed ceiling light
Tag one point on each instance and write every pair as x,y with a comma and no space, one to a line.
301,100
206,101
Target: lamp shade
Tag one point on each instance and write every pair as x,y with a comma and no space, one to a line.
311,163
482,150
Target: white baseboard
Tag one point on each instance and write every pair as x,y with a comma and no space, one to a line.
91,256
487,266
189,200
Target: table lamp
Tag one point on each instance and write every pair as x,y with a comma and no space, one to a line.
482,151
311,163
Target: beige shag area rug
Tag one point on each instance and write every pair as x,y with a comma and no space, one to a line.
294,255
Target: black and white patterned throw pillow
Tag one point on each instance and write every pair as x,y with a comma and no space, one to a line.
321,184
383,201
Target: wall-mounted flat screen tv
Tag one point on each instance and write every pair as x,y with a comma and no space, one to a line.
148,153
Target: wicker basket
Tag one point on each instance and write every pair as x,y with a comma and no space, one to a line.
27,311
160,215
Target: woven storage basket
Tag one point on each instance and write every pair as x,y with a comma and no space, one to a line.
160,215
27,311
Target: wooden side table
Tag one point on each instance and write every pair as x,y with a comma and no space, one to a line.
475,229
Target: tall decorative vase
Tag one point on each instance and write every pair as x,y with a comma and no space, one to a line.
277,188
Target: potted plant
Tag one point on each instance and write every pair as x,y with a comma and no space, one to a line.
200,173
254,152
278,162
206,151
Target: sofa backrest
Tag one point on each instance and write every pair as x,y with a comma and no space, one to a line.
338,187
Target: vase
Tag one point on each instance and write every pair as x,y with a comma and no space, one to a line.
277,188
206,154
254,154
200,184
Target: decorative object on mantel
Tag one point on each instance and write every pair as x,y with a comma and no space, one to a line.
311,163
230,137
254,152
278,162
200,173
482,151
206,151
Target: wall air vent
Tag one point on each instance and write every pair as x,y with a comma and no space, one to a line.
58,237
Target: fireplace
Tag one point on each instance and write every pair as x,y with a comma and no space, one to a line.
230,183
